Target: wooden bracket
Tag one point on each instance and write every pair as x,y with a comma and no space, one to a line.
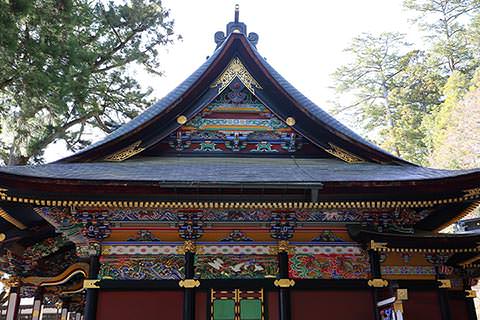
189,283
284,283
377,283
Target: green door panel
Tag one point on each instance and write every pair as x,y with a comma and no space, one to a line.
224,310
251,309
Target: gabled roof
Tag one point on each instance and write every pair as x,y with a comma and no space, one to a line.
160,120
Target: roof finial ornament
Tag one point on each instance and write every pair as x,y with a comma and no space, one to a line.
236,27
237,12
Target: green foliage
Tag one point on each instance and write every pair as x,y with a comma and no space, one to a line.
443,21
64,69
392,91
410,101
455,128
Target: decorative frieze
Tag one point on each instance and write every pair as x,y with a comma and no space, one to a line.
329,266
236,266
166,267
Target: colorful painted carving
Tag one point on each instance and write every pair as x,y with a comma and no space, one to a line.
237,235
329,266
45,248
236,266
377,217
235,122
409,270
282,225
134,249
144,235
437,259
166,267
327,236
189,226
95,224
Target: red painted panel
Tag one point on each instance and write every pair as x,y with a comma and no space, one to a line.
332,305
458,308
271,301
201,305
145,305
422,305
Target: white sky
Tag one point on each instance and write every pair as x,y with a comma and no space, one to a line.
303,39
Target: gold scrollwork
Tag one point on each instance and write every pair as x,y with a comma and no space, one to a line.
284,283
377,283
236,69
126,153
343,154
189,283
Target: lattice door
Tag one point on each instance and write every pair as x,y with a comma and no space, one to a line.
237,304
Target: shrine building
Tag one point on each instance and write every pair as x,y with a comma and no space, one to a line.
235,197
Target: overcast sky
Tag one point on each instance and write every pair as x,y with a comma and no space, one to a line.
302,39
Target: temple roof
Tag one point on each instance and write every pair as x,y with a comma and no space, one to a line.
285,101
218,170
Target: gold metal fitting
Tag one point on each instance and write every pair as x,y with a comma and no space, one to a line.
189,246
189,283
91,284
398,306
471,293
283,246
377,283
444,283
284,283
290,121
182,119
402,294
377,246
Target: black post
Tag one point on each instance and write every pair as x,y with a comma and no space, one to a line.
284,293
189,295
376,272
443,297
92,294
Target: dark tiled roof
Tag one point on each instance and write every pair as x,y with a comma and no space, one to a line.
232,170
161,105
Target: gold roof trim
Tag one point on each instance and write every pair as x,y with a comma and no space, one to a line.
12,220
237,205
126,153
429,250
343,154
236,69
